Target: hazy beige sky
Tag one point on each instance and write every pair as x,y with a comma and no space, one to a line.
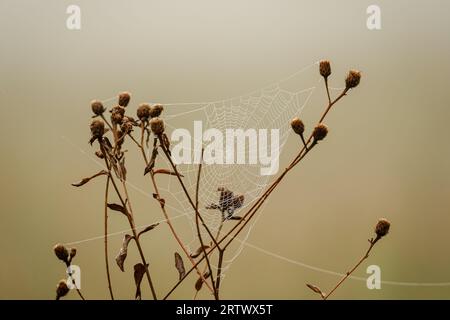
386,155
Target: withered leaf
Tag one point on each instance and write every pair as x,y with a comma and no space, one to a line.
117,207
91,140
123,169
86,180
315,289
107,142
165,171
166,141
151,163
151,227
139,271
199,251
161,201
120,259
179,265
199,282
235,218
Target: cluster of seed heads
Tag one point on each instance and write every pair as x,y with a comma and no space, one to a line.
148,117
321,130
66,256
145,113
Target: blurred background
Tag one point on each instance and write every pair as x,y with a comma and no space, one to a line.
386,155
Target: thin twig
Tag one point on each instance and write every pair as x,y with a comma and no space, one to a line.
130,220
166,216
108,276
347,274
197,224
178,175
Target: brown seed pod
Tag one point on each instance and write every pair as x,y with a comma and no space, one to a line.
124,99
382,227
127,126
97,107
97,128
156,110
143,112
61,289
73,252
352,79
157,126
320,132
298,126
325,68
117,114
61,252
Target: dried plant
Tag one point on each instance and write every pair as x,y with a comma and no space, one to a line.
150,126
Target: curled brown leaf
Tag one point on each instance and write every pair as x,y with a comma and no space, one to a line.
120,259
151,227
117,207
199,251
86,180
139,271
179,265
316,289
165,171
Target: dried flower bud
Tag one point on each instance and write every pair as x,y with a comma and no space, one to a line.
143,112
99,154
156,110
61,289
117,114
320,132
325,68
382,227
352,79
298,126
61,252
73,252
127,126
124,99
97,128
97,107
157,126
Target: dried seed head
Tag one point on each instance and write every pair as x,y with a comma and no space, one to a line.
156,110
352,79
320,132
157,126
325,68
117,114
61,289
97,128
298,126
97,107
73,252
99,154
124,99
143,112
61,252
127,126
128,119
382,227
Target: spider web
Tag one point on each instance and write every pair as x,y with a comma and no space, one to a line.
271,107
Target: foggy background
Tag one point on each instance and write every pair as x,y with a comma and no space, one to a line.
386,154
